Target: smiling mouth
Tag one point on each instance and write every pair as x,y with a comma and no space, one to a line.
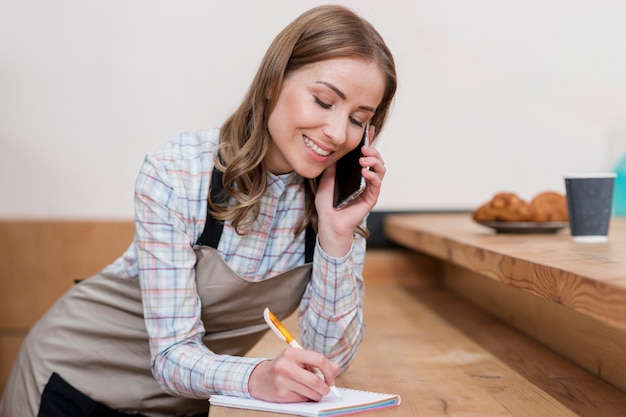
311,145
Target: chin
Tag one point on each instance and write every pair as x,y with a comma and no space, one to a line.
309,173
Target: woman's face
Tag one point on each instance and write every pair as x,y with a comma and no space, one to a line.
321,113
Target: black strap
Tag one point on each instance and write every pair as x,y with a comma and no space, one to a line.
309,244
213,228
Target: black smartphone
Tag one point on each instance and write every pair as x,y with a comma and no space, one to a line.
349,183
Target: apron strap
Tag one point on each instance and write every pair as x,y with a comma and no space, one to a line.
213,228
309,243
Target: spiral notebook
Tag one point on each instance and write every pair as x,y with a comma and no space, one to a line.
352,402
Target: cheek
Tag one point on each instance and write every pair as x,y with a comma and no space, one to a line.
292,106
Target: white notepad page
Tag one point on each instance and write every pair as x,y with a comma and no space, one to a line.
352,401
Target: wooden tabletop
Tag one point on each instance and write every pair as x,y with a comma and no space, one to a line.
589,278
446,358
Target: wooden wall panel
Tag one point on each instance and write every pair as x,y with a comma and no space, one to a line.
39,261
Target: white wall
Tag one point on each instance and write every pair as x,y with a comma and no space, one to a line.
493,94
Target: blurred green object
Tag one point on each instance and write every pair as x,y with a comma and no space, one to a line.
619,192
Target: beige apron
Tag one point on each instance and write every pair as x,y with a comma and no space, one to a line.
95,338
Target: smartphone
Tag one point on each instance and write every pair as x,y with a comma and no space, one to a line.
349,183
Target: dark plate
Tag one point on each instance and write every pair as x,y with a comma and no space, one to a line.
526,227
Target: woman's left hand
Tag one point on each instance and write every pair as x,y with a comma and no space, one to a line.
336,227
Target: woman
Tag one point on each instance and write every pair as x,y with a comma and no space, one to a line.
228,222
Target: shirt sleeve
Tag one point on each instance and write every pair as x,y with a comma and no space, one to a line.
331,311
181,364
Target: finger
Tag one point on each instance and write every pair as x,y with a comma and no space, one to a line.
372,133
324,369
309,383
300,390
329,371
374,174
374,183
374,161
314,385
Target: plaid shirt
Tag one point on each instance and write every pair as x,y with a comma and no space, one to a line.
170,212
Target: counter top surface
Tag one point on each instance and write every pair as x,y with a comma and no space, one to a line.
588,277
446,358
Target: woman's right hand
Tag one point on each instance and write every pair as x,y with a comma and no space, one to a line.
288,377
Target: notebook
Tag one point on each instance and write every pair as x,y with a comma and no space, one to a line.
352,402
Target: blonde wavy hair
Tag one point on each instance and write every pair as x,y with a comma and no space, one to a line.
322,33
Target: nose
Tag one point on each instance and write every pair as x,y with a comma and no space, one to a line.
336,129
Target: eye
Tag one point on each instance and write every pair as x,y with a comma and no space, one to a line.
323,104
356,121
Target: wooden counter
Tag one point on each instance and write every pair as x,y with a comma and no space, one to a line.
570,296
447,358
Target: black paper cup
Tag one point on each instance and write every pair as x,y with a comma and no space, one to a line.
590,204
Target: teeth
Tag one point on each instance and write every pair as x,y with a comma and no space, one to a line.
311,145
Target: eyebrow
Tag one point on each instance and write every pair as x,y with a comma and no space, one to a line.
343,96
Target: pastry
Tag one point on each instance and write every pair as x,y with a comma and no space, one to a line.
549,206
503,207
